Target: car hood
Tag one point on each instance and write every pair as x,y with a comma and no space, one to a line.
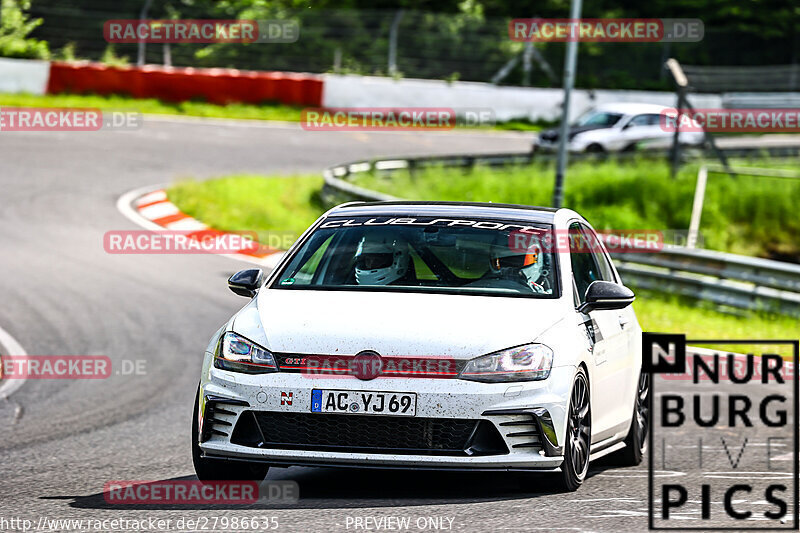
572,131
347,322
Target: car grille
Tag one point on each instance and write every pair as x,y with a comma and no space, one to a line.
373,434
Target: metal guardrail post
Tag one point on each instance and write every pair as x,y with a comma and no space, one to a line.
681,82
570,64
140,54
697,206
700,191
393,31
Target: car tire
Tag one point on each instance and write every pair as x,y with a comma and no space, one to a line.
636,440
577,439
220,469
595,148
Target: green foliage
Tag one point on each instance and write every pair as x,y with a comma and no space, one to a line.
67,53
15,28
111,59
439,39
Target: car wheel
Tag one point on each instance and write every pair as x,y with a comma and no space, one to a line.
595,148
636,441
577,442
220,469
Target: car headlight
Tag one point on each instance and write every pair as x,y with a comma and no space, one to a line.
523,363
243,355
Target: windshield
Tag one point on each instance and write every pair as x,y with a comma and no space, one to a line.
598,118
424,254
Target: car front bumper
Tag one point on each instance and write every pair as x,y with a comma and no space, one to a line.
552,146
528,417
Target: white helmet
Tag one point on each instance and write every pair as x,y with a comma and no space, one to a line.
528,261
381,259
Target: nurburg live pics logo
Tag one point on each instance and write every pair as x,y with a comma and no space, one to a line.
723,439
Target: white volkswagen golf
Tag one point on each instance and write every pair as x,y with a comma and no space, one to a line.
427,335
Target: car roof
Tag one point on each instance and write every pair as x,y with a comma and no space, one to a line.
448,209
631,108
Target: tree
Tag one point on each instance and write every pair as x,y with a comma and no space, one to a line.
15,27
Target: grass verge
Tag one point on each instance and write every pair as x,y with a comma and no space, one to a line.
701,320
276,209
267,111
287,206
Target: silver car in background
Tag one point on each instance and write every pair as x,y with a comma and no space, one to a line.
618,128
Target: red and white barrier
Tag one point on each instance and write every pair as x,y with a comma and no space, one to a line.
223,86
217,86
23,76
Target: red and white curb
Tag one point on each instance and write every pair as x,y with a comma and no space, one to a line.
150,208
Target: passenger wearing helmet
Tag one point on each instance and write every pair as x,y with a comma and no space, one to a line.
382,259
525,266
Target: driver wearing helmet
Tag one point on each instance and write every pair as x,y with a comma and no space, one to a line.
523,265
382,259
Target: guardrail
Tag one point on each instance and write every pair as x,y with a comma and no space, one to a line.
722,278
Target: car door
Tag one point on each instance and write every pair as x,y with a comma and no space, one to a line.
643,127
626,361
611,350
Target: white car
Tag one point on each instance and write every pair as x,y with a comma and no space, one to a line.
427,335
619,127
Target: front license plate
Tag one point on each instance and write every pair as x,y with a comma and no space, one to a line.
364,402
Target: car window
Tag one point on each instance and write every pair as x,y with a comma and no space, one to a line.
645,120
600,258
599,118
305,275
425,254
588,261
653,120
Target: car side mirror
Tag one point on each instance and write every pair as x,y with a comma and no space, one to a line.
626,126
604,295
246,282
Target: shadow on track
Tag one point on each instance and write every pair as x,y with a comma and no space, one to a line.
334,488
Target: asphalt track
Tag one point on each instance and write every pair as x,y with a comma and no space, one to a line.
62,294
